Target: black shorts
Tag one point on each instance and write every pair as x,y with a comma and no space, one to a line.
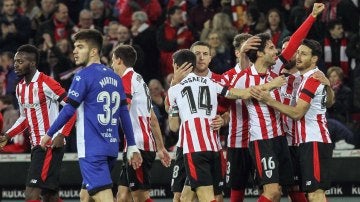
272,161
295,160
204,169
139,178
239,168
45,167
179,174
315,164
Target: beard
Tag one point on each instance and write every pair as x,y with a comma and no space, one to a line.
290,64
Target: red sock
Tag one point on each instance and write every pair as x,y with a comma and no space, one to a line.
149,200
237,195
213,200
297,196
59,200
262,198
33,200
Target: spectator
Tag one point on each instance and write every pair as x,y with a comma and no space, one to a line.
58,27
123,37
30,9
353,52
102,17
55,61
342,108
112,34
15,29
86,21
145,36
334,48
201,13
349,14
8,74
298,15
340,135
221,56
171,36
275,26
221,24
127,7
45,13
255,22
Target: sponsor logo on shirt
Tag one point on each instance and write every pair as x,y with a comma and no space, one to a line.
77,78
74,93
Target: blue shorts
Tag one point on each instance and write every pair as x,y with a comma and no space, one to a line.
96,173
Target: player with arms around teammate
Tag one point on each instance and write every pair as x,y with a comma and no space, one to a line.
315,149
97,95
38,96
194,102
146,127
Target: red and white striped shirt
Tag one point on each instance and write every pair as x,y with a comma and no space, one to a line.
39,107
137,93
196,98
239,118
221,108
288,94
312,127
265,122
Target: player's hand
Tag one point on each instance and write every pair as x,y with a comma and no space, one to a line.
250,44
164,157
3,140
134,157
277,82
44,141
317,9
321,77
181,72
260,95
58,141
217,122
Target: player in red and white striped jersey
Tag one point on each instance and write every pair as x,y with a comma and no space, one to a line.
315,149
197,105
203,58
39,96
147,132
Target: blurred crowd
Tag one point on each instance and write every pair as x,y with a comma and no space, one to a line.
157,28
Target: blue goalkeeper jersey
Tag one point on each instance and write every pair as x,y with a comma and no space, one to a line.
100,94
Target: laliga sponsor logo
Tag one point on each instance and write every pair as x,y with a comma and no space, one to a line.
74,93
77,78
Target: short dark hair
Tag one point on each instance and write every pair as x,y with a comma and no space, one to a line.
6,99
184,55
252,54
200,43
172,10
8,54
316,49
30,49
127,54
286,39
331,25
91,36
239,39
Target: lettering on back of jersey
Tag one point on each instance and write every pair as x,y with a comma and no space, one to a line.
108,80
194,79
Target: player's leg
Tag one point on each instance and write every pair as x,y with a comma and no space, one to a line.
200,173
239,169
187,194
44,174
315,164
178,175
267,168
84,195
97,178
123,193
139,179
295,194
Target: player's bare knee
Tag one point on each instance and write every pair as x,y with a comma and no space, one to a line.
177,196
32,193
317,196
